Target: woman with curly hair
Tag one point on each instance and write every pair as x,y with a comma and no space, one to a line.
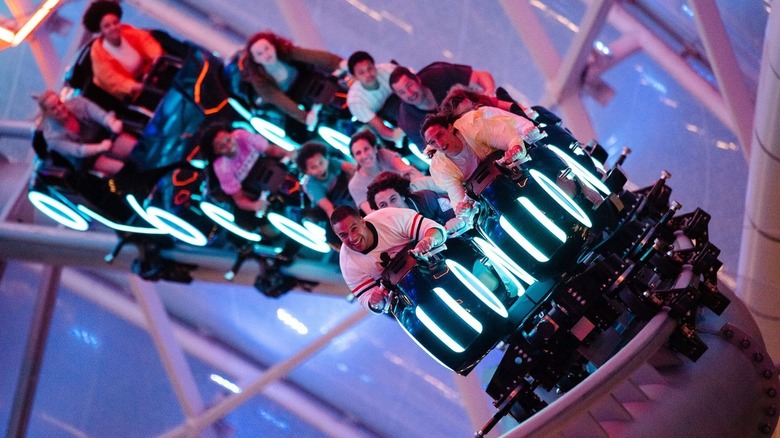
122,55
271,64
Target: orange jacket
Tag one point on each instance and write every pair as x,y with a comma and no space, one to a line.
109,74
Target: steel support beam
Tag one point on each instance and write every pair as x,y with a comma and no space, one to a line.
168,348
674,64
33,353
568,81
739,101
523,17
271,375
40,44
304,30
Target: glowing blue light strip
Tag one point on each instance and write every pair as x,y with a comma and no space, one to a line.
274,134
119,227
176,227
519,238
499,257
243,112
544,220
587,177
419,154
298,233
335,139
158,217
561,198
57,211
458,309
436,330
422,347
227,220
477,288
314,229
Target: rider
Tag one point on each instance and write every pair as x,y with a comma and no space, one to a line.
371,242
389,189
237,151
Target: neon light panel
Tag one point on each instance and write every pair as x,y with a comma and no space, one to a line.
227,220
436,330
477,288
520,239
587,177
544,220
298,233
169,223
119,227
499,257
58,211
274,134
561,198
335,139
419,154
458,309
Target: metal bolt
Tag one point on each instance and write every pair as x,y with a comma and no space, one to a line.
758,357
770,411
765,428
768,374
728,333
745,343
771,392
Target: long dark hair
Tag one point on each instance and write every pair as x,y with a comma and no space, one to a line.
256,71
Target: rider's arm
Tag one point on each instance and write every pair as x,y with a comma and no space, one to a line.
245,203
384,131
483,80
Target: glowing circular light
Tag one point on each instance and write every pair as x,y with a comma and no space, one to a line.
175,226
274,134
561,198
119,227
227,220
58,211
586,177
335,139
419,154
314,229
298,233
477,288
499,257
522,240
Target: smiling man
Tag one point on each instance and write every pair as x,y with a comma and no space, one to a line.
368,243
370,98
422,93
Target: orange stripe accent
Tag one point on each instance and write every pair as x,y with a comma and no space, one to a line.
216,108
196,88
193,153
178,183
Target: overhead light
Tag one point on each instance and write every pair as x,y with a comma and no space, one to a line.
16,38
